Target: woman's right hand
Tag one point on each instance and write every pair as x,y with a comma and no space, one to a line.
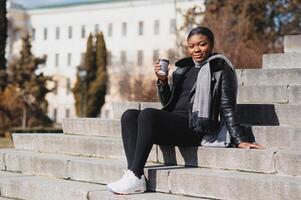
163,79
248,145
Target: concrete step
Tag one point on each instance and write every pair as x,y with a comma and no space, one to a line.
284,162
283,137
222,184
269,114
279,137
246,95
5,176
73,145
261,77
92,127
37,188
282,60
287,162
88,169
119,107
156,105
292,44
198,182
264,114
4,198
269,94
99,195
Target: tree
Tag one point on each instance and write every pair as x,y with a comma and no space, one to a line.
80,87
245,30
29,89
3,37
137,88
98,87
89,91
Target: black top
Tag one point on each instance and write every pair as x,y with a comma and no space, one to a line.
183,91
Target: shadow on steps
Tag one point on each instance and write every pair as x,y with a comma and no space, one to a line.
258,114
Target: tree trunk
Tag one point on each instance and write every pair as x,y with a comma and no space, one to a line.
24,118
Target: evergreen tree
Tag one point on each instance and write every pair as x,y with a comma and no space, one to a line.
89,92
245,30
30,88
98,87
3,37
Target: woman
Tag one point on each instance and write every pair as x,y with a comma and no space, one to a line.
184,119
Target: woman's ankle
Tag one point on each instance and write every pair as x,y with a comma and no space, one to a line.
137,173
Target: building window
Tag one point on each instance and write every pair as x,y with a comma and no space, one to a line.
109,58
70,32
57,60
173,26
55,114
140,58
124,28
68,86
140,24
57,33
45,33
55,87
155,55
156,27
83,32
67,115
33,34
69,57
110,29
96,29
123,57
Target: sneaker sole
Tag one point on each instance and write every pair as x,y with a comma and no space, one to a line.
128,193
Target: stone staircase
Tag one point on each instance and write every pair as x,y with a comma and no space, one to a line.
76,164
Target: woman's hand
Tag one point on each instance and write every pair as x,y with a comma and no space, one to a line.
247,145
163,79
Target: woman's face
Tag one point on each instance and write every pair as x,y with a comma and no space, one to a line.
199,47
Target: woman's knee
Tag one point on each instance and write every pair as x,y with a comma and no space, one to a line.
130,114
148,115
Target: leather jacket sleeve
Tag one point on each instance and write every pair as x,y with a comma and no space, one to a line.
228,105
164,93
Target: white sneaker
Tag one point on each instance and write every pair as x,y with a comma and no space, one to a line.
125,173
128,184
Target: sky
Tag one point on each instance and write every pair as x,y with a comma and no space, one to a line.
34,3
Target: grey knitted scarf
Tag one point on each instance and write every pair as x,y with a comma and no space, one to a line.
202,97
202,103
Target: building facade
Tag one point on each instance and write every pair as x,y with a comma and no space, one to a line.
136,33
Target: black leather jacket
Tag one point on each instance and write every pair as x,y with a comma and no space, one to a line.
224,92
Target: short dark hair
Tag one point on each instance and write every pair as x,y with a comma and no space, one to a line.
203,31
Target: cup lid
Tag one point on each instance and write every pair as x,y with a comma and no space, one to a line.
165,60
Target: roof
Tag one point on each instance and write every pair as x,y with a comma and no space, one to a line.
89,2
13,5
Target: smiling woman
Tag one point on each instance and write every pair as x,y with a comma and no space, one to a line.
201,99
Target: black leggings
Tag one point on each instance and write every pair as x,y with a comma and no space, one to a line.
141,129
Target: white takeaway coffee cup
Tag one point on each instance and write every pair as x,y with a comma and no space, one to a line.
163,67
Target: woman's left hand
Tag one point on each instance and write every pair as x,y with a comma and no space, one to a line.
247,145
